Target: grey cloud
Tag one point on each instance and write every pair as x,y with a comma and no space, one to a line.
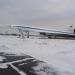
37,11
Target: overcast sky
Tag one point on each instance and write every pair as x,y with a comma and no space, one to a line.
37,12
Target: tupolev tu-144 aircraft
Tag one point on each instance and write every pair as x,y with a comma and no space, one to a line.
48,33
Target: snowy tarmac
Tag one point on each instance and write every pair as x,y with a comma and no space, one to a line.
58,53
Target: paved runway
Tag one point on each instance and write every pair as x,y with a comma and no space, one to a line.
23,65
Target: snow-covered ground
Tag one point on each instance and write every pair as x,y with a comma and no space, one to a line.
59,53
